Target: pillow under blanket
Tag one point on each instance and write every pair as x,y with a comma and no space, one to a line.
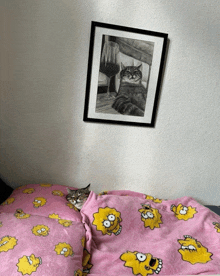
40,233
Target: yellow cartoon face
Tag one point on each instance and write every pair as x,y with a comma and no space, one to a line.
7,243
46,185
183,212
21,187
20,214
41,230
156,200
103,193
150,216
28,191
39,202
8,201
86,262
64,222
193,251
78,272
57,193
64,249
54,216
108,221
28,264
143,264
217,226
83,241
71,206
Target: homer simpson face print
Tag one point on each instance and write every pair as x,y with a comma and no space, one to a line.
193,251
150,216
183,212
141,263
28,264
107,220
7,243
20,214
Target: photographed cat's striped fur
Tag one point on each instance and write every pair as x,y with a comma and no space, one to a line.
131,98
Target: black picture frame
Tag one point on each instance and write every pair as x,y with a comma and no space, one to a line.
134,47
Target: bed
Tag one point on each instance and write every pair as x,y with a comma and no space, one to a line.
115,233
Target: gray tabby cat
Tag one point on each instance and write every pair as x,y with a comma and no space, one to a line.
78,197
131,98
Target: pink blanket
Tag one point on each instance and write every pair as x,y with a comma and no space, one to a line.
40,233
129,233
116,233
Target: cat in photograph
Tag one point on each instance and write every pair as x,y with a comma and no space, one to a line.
78,197
132,94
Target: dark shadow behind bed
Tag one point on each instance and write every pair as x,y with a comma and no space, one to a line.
5,191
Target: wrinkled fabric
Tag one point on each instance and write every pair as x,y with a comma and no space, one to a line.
129,233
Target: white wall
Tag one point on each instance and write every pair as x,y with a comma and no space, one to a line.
44,57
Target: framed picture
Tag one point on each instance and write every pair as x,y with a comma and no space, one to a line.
124,75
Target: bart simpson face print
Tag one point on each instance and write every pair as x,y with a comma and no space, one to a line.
20,214
7,243
150,216
183,212
41,230
217,226
108,221
28,264
141,264
39,202
64,249
193,251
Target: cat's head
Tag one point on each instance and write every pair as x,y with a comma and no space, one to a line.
78,197
131,74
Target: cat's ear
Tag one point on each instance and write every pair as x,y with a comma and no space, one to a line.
87,186
68,190
140,67
122,66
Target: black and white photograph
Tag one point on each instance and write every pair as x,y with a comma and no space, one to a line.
124,75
